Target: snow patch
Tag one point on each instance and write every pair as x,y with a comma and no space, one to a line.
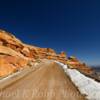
86,85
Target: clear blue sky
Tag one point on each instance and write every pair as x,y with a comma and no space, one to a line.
72,26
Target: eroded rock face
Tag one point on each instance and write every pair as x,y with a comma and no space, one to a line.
15,55
74,63
11,58
10,64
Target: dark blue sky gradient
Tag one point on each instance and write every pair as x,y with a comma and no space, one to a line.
64,25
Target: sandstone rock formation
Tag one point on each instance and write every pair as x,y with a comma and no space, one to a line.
15,55
74,63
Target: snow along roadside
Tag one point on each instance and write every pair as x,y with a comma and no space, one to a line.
86,85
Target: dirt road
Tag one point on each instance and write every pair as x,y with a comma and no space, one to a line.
49,82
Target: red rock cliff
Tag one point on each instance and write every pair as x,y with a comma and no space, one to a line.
15,55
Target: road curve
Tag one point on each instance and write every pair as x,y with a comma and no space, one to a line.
49,82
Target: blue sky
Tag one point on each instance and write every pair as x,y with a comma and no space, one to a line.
72,26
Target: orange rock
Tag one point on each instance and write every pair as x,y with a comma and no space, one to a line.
6,69
75,64
63,55
14,55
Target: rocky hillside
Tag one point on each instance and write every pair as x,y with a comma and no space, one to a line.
15,55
